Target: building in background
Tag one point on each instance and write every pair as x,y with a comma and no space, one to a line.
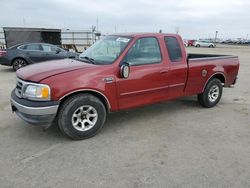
79,40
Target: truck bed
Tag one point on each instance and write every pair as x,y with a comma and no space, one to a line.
225,66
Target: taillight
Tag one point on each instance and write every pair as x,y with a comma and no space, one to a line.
2,53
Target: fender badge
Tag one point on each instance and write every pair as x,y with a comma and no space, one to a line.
108,79
204,72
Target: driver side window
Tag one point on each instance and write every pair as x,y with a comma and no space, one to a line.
144,51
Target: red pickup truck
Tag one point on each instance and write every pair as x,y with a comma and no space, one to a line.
118,72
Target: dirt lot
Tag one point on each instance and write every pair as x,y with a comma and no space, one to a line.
172,144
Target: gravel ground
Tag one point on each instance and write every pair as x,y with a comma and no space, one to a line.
172,144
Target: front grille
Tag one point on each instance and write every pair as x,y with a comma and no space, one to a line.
19,88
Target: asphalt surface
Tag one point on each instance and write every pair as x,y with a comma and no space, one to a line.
172,144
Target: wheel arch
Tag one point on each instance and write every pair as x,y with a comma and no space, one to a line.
12,61
96,93
218,75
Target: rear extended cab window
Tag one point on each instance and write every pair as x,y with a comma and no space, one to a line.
145,51
173,48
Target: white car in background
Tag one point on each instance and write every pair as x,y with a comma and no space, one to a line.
204,43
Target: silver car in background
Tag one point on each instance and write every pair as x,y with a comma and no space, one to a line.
204,43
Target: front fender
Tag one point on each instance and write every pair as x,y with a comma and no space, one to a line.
68,83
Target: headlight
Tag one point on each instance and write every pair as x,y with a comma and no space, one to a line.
38,92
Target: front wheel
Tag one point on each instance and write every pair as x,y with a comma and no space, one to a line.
212,93
81,116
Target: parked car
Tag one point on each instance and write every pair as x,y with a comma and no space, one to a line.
246,42
204,43
191,42
227,41
118,72
235,41
24,54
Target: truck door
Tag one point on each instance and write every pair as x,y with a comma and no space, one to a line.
178,67
147,81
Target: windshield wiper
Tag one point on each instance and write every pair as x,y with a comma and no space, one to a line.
89,59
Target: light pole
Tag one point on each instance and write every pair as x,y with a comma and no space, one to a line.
216,33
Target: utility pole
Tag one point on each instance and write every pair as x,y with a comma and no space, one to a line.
24,22
215,38
97,24
177,29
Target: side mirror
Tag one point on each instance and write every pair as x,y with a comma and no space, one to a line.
125,70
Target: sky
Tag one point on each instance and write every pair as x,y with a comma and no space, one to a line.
191,18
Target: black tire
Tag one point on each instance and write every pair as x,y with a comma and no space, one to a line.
70,108
208,98
211,46
19,63
197,46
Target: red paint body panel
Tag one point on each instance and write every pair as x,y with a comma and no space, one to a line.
38,72
90,79
146,84
191,42
228,67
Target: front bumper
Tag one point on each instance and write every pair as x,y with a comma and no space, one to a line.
34,112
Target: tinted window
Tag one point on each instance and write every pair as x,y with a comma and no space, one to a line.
144,51
32,47
48,48
174,49
22,47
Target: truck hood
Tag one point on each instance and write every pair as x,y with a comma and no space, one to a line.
40,71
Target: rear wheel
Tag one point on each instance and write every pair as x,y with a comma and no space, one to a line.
212,93
197,45
81,116
18,63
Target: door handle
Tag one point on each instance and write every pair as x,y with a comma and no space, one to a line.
163,71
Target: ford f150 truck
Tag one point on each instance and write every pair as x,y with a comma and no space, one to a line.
118,72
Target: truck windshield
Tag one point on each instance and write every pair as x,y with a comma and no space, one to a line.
106,50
